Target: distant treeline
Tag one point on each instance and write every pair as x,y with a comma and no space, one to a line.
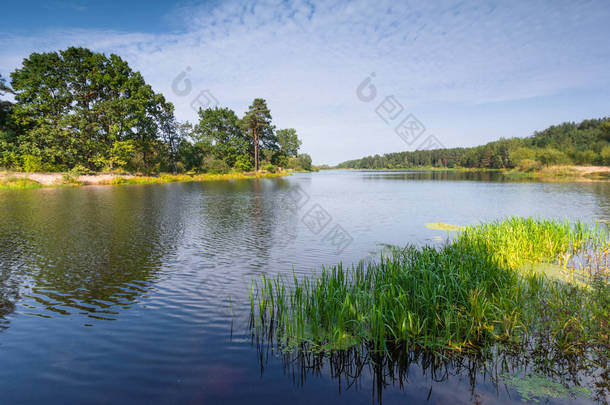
84,111
586,143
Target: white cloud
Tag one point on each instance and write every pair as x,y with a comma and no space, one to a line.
307,59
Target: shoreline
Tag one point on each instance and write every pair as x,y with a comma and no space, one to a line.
556,172
22,180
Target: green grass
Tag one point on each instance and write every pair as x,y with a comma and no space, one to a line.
13,183
172,178
480,290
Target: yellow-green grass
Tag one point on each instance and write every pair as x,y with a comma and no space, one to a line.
13,183
172,178
441,226
23,182
480,290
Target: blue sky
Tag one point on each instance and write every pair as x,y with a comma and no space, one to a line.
470,72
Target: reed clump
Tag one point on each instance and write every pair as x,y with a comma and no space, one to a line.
481,289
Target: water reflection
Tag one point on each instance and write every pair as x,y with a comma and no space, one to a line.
91,252
161,262
421,375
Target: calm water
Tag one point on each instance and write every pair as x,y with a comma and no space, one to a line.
124,293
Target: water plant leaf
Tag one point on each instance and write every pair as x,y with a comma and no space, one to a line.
441,226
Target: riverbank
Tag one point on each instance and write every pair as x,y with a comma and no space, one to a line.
546,173
19,180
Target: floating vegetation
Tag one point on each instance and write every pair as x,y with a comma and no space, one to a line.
480,291
441,226
535,387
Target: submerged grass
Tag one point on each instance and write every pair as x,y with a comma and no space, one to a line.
481,289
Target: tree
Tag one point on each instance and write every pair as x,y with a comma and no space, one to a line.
257,120
73,105
605,127
550,156
289,142
221,127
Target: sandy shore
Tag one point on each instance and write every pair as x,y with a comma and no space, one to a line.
51,179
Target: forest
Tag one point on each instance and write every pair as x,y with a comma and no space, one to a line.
82,111
584,143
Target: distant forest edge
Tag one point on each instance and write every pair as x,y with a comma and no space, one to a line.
82,111
585,143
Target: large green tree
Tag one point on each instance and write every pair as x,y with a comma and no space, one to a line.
74,105
257,120
222,127
8,153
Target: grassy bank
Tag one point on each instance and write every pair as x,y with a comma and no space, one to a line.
14,183
483,289
37,180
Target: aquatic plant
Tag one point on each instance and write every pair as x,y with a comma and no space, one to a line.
535,387
441,226
466,296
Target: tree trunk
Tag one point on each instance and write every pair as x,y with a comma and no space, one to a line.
255,151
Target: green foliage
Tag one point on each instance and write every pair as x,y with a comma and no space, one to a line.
215,166
32,163
269,168
528,165
289,142
243,164
220,133
551,156
20,183
72,106
466,296
605,155
79,108
561,144
257,120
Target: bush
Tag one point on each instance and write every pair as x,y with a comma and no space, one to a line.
605,156
528,165
32,163
551,156
522,154
215,166
269,168
243,164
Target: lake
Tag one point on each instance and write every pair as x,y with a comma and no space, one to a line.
139,293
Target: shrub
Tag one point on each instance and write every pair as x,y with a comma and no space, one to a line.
215,166
32,163
528,165
243,164
269,168
552,156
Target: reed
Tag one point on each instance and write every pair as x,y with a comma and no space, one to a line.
482,288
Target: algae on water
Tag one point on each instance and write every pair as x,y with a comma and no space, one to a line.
534,387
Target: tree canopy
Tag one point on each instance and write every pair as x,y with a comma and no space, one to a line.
569,143
79,109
